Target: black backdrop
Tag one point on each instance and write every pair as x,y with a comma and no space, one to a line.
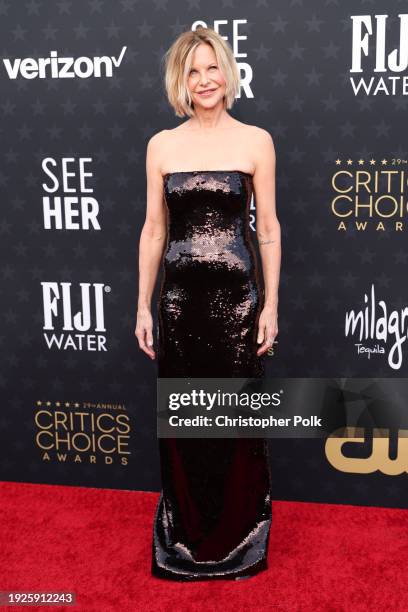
91,116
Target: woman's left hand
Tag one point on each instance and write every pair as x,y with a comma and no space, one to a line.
267,328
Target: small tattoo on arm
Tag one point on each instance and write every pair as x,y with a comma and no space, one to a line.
265,241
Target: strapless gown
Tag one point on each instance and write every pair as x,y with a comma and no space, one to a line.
214,513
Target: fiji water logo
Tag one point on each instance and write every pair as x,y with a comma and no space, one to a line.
55,67
74,318
373,52
376,326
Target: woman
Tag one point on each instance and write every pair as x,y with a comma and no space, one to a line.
214,513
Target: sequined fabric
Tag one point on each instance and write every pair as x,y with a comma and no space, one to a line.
214,513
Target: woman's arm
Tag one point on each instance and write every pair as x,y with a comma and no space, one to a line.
152,242
269,236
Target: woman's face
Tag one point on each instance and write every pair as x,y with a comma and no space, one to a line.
205,75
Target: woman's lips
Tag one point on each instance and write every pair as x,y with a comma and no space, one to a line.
206,93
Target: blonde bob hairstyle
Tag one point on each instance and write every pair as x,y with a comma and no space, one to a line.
177,64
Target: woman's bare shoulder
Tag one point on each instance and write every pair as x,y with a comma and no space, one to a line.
158,137
260,133
165,138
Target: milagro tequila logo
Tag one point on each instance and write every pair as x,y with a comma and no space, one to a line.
55,67
375,324
84,330
370,39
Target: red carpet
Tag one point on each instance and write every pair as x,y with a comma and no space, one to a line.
98,543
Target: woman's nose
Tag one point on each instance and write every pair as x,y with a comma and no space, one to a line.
204,79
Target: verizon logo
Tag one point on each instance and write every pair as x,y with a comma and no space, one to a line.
55,67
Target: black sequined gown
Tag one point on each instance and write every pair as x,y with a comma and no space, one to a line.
214,513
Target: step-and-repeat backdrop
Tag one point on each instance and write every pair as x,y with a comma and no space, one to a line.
81,94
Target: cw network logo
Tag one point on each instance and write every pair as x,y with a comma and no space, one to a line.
55,67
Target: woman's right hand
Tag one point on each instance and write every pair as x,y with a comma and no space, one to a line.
144,331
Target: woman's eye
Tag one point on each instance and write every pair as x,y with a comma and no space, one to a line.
211,68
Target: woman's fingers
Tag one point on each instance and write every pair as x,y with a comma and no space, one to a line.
266,336
145,339
261,333
149,337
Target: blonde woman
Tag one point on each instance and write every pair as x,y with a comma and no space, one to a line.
214,320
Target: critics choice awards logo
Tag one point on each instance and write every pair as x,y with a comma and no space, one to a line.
82,432
369,193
